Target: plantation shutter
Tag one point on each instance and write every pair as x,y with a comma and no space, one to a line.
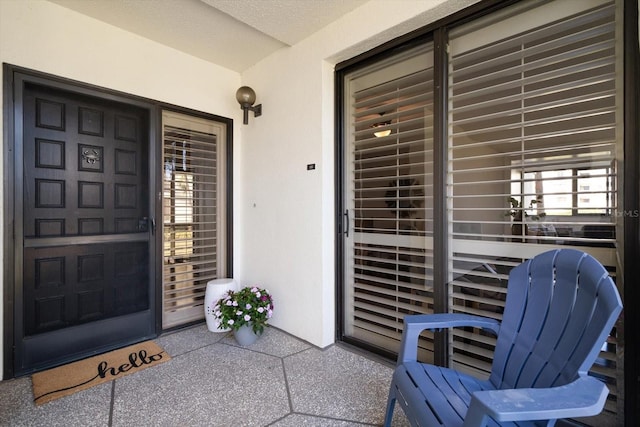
193,180
389,248
533,141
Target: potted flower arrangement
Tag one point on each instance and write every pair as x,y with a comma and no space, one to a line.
245,311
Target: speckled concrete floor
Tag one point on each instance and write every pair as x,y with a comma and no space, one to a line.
212,381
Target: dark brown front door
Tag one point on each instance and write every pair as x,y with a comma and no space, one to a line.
86,230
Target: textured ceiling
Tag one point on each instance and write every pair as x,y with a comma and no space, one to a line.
234,34
288,21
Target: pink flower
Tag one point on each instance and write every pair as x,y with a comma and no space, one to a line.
248,306
247,317
230,321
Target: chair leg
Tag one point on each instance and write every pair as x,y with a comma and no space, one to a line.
391,402
475,416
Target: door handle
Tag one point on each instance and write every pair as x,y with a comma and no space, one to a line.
346,225
147,224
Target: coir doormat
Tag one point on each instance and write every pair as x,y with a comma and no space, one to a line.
68,379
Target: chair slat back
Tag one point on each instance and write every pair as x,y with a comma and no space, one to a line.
561,306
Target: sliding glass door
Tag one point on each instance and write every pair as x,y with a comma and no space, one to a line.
531,142
388,197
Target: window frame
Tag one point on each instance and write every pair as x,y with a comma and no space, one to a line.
575,209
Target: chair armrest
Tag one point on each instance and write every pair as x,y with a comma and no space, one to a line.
581,398
415,324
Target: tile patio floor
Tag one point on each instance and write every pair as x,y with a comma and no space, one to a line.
279,381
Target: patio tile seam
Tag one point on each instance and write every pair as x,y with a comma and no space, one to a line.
381,360
265,353
286,385
303,351
111,405
190,351
325,417
307,343
173,356
278,420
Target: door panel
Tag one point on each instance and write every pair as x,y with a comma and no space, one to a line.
75,284
388,200
86,234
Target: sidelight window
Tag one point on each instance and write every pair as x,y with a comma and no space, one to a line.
193,214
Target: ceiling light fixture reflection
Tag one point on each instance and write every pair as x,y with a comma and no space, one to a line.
384,132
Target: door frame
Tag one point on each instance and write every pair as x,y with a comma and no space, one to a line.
14,80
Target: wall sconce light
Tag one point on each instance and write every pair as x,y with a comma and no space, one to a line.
246,97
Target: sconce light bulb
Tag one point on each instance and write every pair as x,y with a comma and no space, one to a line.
245,96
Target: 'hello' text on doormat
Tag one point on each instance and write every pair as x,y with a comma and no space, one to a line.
73,377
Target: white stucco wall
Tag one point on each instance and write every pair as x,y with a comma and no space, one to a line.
284,231
46,37
287,212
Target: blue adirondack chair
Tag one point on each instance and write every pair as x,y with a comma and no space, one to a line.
561,306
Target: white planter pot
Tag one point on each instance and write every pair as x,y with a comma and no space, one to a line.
216,289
